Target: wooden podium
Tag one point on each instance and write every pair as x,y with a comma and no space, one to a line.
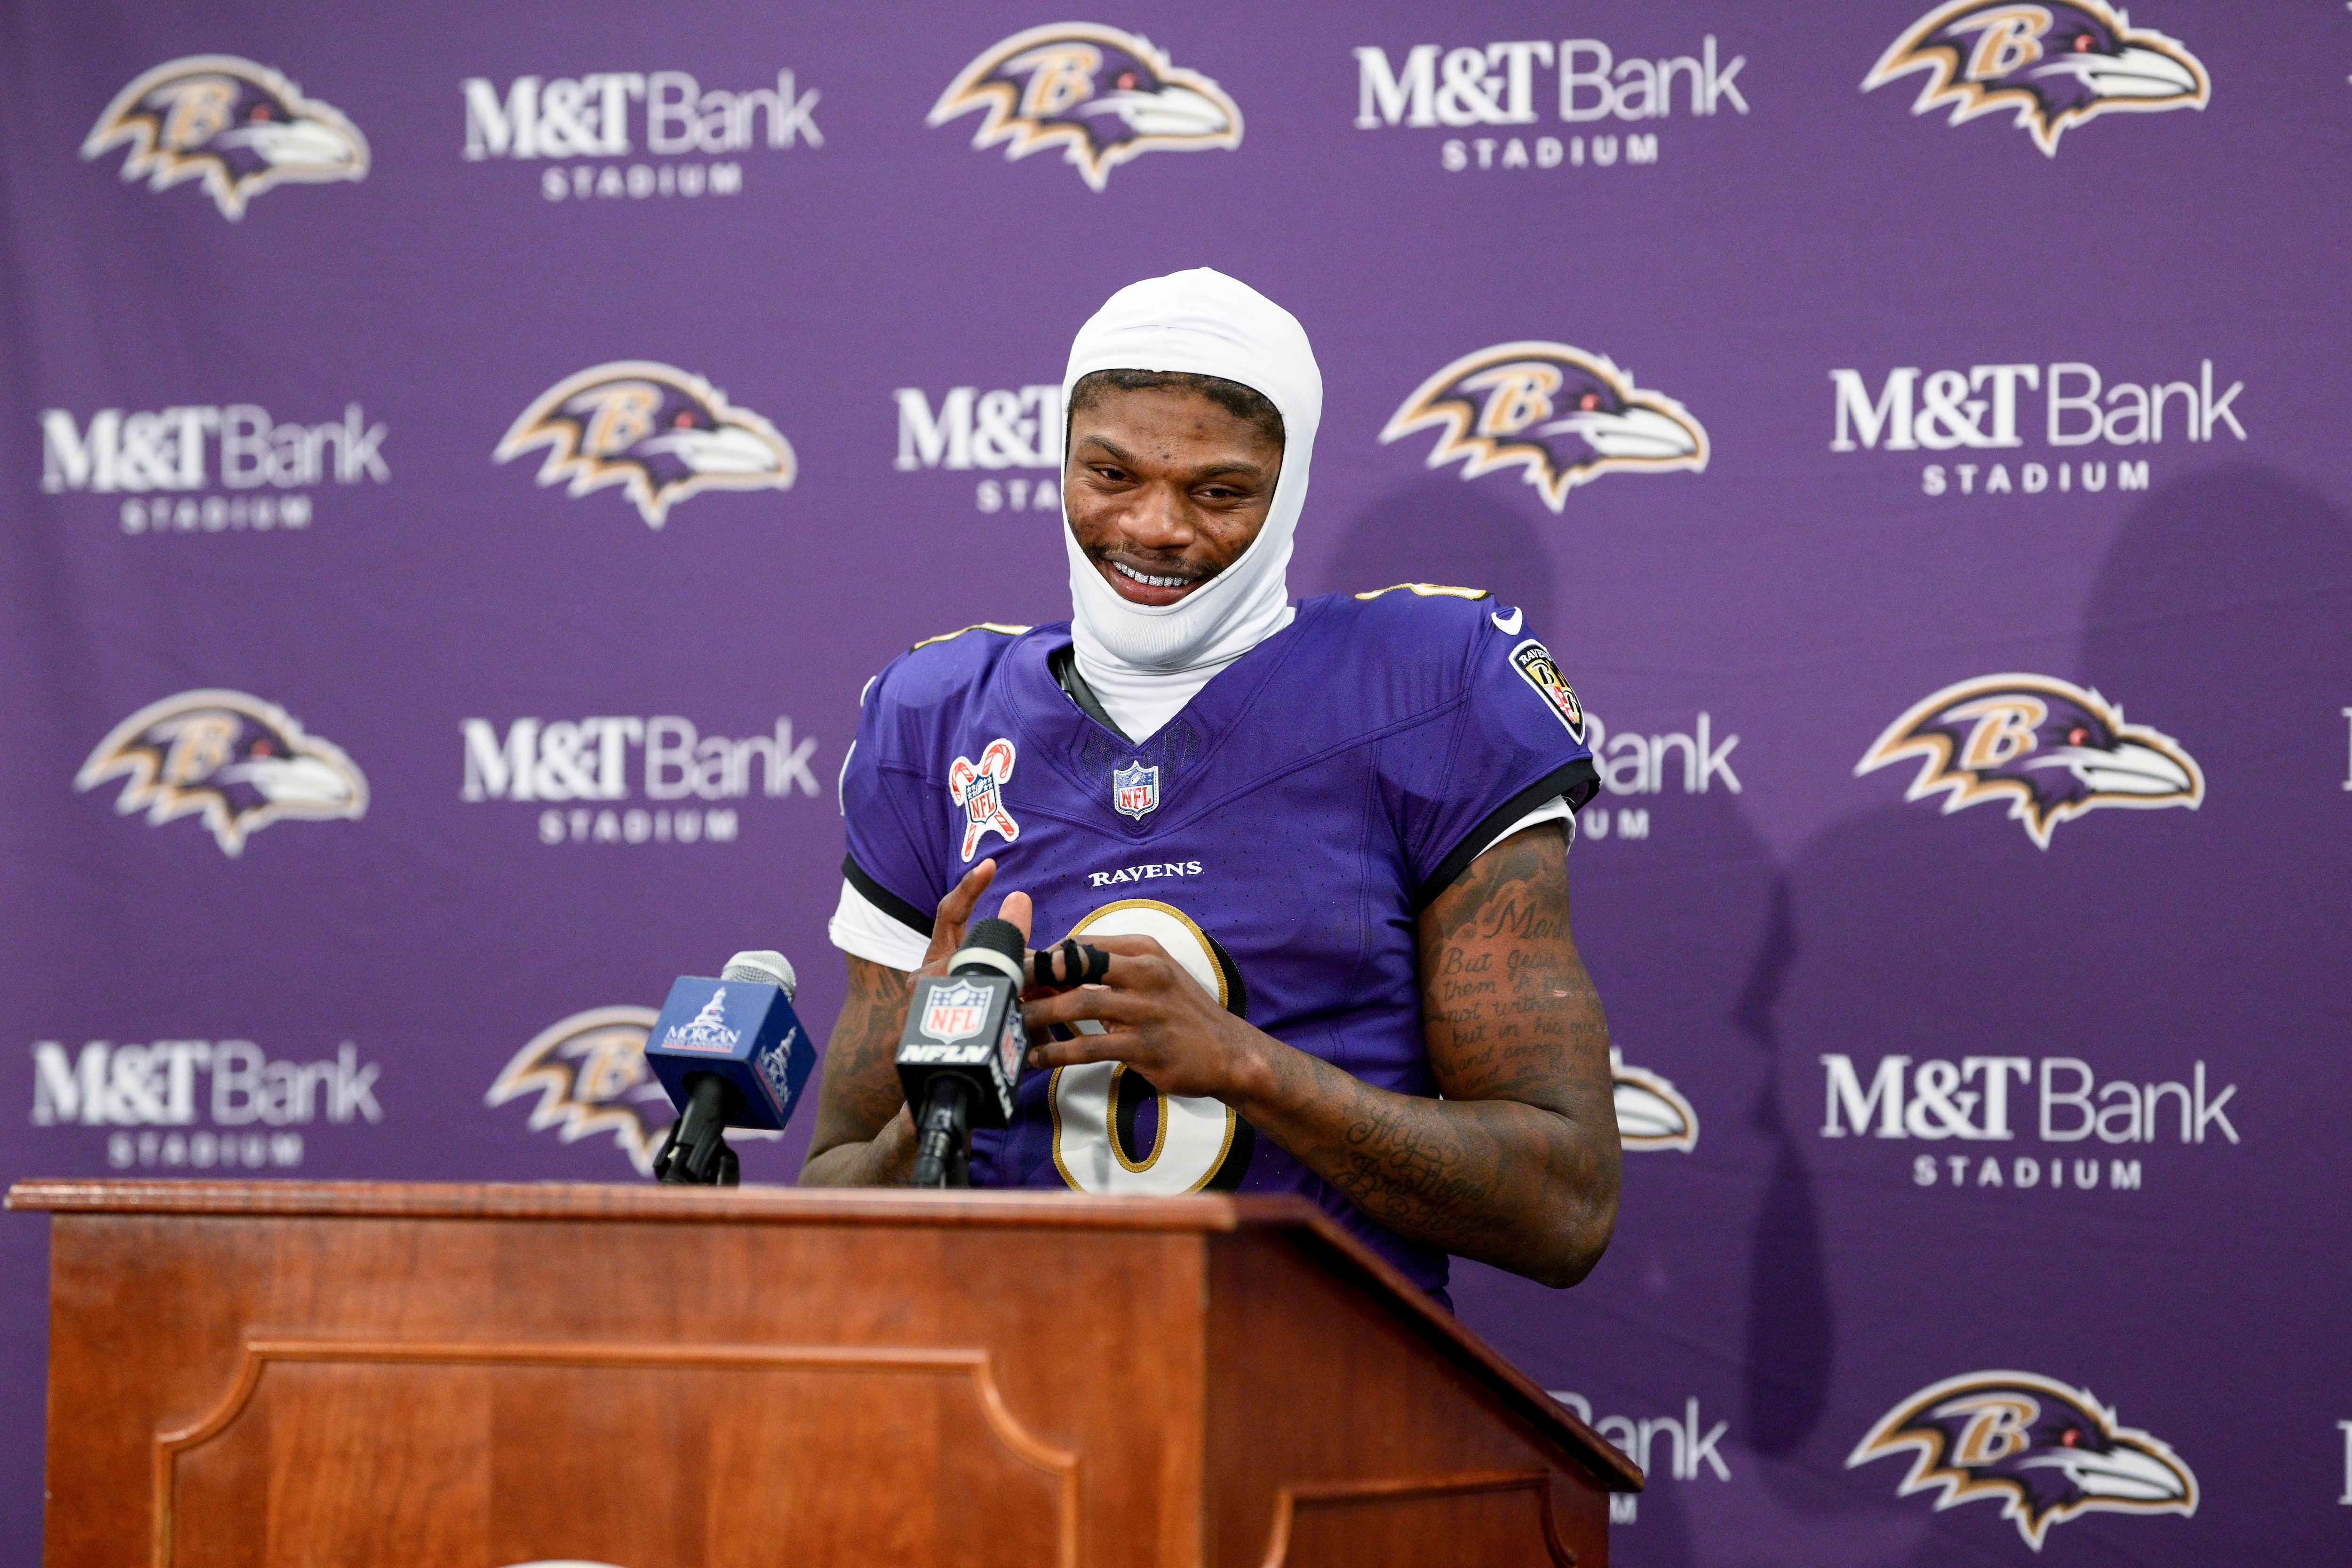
473,1376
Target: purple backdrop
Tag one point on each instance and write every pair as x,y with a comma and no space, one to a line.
1991,1147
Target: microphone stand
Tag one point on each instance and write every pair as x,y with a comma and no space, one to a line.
943,1135
695,1154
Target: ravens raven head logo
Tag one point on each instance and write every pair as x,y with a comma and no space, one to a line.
1103,95
591,1076
1650,1112
236,761
656,429
2045,1451
2057,63
1565,416
2049,747
239,127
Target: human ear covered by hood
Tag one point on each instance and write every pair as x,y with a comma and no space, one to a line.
1203,323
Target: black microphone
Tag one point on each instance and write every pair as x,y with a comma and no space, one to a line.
959,1055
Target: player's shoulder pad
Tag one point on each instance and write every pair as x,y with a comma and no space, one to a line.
1414,646
1423,619
939,669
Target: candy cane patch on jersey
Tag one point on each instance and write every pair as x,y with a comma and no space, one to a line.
1537,668
979,789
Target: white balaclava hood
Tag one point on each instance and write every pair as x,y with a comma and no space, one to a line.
1144,663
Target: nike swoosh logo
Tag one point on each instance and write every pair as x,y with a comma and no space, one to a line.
1507,628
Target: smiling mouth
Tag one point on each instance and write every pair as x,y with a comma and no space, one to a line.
1149,580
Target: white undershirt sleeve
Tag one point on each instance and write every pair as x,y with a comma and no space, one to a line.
859,927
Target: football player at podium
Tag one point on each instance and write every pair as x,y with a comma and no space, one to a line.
1324,844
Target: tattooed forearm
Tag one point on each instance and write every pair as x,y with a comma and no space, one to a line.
1517,1165
858,1098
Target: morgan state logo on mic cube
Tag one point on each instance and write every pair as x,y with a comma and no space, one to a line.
578,771
1102,96
1562,416
2046,1452
235,762
1973,1114
637,135
237,127
200,1104
1592,108
2049,66
2052,429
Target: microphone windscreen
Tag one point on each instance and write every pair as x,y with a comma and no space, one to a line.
997,937
764,966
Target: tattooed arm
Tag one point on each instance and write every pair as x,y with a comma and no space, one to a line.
1517,1165
864,1136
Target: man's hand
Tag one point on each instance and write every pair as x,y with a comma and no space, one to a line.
864,1136
1157,1020
954,917
1516,1165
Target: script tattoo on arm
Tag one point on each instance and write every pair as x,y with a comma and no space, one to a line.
1518,1165
862,1138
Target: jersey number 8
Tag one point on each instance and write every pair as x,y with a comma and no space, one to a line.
1198,1143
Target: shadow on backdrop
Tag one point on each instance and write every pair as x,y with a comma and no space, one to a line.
1791,1323
1669,926
1438,529
2140,942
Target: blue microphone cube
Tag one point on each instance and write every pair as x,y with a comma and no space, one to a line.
744,1031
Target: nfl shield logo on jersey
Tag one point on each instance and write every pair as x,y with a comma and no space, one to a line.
1135,790
956,1012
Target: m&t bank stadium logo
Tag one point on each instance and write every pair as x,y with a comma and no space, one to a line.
2045,1452
657,431
2055,65
2049,747
234,760
1102,95
1563,415
239,127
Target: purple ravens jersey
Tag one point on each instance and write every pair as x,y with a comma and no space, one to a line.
1278,836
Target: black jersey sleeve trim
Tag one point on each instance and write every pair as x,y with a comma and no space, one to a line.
883,899
1579,780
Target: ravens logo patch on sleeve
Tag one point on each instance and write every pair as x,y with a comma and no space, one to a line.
1538,668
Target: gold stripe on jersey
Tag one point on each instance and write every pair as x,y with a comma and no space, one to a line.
1427,590
1001,628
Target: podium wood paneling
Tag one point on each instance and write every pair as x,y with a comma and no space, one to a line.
267,1374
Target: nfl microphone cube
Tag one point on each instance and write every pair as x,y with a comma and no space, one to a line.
742,1030
968,1024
